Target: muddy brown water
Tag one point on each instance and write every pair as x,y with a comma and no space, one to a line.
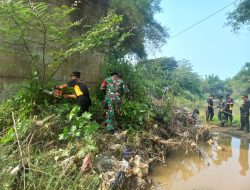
226,169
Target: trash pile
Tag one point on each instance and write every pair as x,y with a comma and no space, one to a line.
127,159
182,117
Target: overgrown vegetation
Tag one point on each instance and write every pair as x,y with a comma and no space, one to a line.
43,143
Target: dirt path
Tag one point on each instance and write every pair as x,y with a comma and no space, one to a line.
231,131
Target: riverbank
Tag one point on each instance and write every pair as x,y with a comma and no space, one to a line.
225,157
230,131
96,160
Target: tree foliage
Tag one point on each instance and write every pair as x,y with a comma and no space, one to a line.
215,86
240,16
240,82
160,73
186,79
138,19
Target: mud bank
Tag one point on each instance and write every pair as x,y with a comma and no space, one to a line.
230,131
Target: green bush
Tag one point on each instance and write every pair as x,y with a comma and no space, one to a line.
129,75
134,115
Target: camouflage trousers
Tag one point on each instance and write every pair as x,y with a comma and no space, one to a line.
244,122
112,104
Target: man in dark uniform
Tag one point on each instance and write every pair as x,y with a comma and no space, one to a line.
81,92
229,109
244,114
210,108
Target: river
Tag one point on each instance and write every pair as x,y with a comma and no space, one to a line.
226,169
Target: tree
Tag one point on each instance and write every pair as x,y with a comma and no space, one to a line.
240,82
215,86
186,79
138,19
240,16
157,74
46,34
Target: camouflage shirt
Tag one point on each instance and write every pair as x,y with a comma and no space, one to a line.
221,105
114,86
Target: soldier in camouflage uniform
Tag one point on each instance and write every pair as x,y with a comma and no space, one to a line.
221,113
115,89
244,114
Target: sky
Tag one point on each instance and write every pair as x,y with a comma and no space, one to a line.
211,47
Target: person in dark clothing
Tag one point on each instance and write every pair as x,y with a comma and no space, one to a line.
81,92
244,114
210,108
229,109
195,116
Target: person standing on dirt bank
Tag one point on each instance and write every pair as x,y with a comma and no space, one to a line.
81,92
115,88
210,108
244,114
221,113
229,109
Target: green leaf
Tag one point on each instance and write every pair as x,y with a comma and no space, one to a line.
78,134
8,137
73,129
87,115
72,114
61,137
81,153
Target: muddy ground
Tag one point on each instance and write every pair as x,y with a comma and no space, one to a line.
230,131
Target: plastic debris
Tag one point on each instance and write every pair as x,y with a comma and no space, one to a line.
218,147
15,169
105,163
210,141
124,165
68,162
86,163
117,181
140,168
115,147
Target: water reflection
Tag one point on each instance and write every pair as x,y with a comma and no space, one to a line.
188,172
227,150
243,157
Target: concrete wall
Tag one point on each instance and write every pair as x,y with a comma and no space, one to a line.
14,68
88,64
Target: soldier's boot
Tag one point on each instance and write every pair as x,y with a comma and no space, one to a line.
110,126
222,124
